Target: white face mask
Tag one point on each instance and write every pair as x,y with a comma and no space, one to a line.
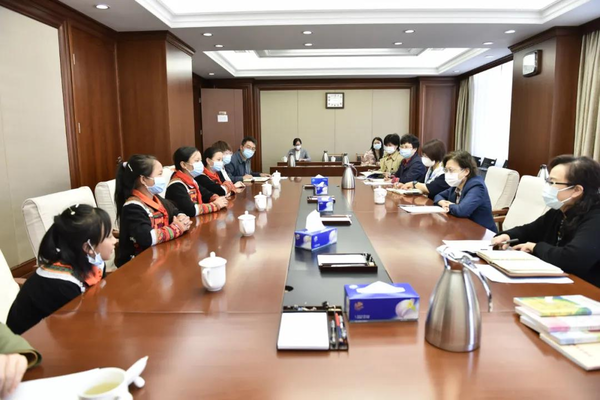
298,147
97,259
377,146
427,162
197,170
550,195
452,179
389,149
406,153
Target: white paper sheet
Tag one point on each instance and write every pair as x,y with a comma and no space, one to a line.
496,276
472,246
423,209
402,191
303,331
378,183
258,179
64,387
341,259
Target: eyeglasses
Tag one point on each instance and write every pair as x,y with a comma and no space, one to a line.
550,182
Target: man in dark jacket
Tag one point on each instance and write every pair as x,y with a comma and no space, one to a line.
239,168
411,168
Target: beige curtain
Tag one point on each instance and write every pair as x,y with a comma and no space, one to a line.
587,122
464,115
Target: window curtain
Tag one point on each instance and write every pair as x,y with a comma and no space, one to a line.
587,120
462,131
490,113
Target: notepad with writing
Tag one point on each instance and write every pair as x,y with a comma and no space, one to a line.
587,356
519,264
303,331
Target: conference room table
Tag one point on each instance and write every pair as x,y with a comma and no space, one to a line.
222,345
323,169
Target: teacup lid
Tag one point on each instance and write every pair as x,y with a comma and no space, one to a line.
213,261
266,184
133,373
260,195
246,216
380,189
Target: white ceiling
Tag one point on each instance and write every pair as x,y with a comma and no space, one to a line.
345,24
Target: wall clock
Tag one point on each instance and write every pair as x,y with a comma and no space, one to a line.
334,100
531,63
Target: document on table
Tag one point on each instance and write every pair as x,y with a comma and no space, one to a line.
303,331
423,209
495,275
378,182
258,179
66,387
471,246
402,191
323,259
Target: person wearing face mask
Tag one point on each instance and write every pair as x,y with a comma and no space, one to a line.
434,153
568,235
411,168
239,168
144,217
71,260
374,154
390,162
300,154
212,178
227,154
467,196
183,190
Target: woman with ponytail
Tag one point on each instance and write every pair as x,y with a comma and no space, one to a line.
145,219
568,234
183,189
71,259
212,178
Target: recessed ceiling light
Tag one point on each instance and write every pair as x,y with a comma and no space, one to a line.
207,34
307,33
487,43
397,43
218,46
211,73
489,56
308,44
510,31
409,31
456,71
102,6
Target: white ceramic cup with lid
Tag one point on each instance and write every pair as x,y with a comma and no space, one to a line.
260,201
379,194
267,189
113,383
247,224
213,272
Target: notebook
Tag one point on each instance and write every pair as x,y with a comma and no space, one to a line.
423,209
303,331
555,306
564,338
562,324
587,356
519,264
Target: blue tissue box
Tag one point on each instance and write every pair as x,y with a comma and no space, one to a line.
325,204
316,181
315,240
321,189
365,307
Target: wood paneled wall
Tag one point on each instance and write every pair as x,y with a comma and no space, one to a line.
543,106
437,110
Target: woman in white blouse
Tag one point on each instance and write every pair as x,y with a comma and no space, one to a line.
434,152
298,152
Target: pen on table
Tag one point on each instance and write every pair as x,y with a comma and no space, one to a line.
339,330
509,242
332,338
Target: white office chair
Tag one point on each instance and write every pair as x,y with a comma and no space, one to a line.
502,186
528,205
105,198
9,289
168,171
39,212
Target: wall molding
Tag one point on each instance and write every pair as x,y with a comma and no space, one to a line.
543,36
157,35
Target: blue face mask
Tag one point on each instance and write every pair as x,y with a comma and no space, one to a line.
160,183
227,159
97,259
248,153
377,146
406,153
218,166
198,169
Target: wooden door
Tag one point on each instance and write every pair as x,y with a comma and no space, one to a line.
95,102
222,102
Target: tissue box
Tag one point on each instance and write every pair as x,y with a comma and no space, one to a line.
316,181
379,302
325,204
315,240
321,188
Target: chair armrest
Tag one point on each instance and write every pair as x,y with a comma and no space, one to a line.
20,281
500,212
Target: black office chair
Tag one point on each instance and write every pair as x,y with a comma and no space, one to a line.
477,160
488,162
505,164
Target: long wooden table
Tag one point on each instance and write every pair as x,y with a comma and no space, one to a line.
222,345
